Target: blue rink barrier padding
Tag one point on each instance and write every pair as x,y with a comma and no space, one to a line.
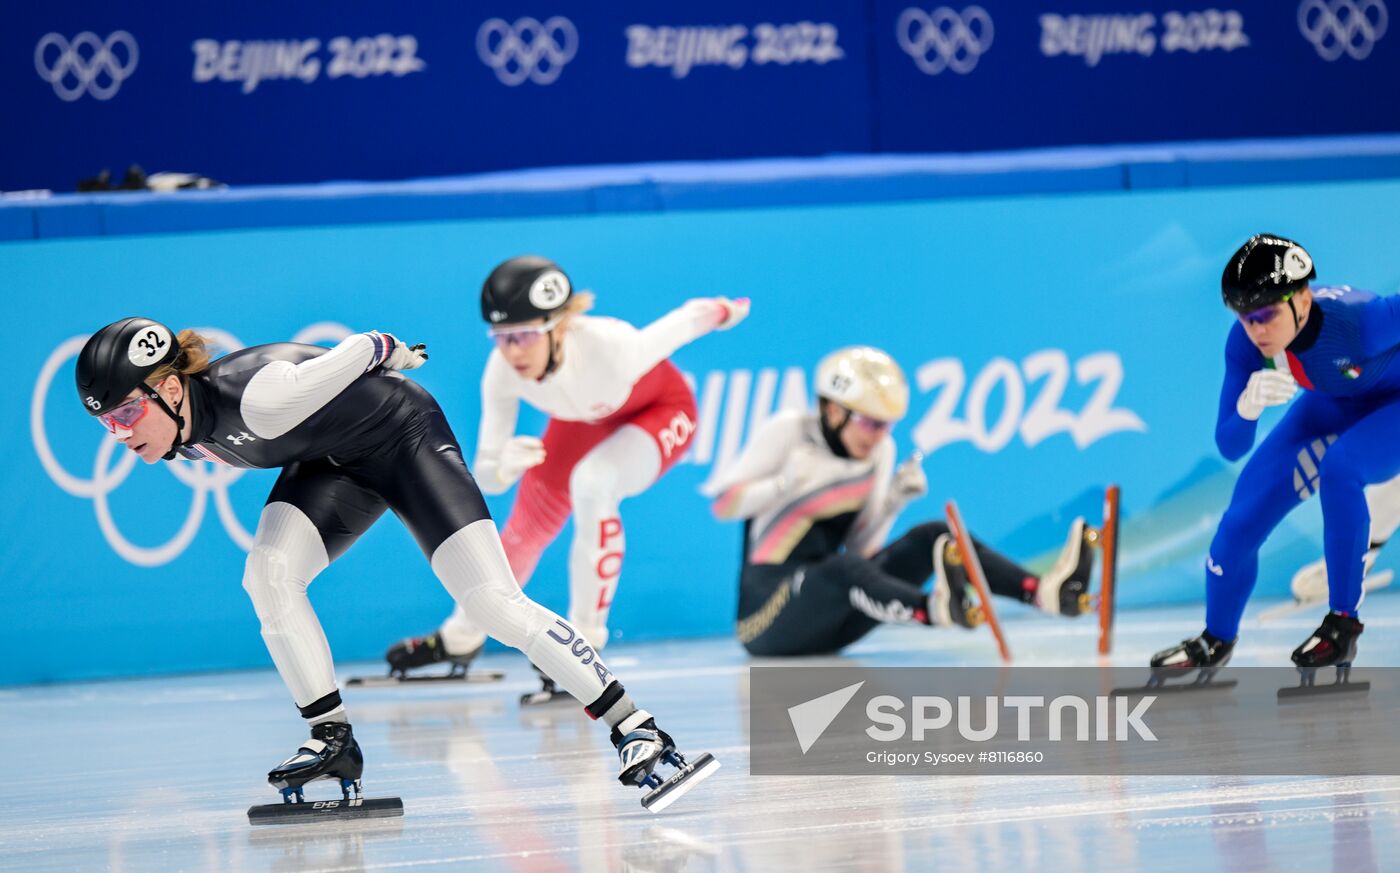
1054,342
717,185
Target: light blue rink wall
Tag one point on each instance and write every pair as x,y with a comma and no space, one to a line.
1057,343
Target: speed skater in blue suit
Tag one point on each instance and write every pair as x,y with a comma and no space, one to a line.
1338,435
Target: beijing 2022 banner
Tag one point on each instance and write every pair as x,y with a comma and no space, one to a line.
263,92
1008,74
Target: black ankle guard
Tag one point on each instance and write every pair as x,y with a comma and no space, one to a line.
612,694
322,706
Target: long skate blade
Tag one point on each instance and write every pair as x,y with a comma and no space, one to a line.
1144,690
1108,583
1295,693
973,565
325,810
1374,582
470,678
697,770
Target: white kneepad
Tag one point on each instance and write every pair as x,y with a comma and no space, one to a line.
268,583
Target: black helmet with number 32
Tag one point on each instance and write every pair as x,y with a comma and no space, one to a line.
118,358
523,289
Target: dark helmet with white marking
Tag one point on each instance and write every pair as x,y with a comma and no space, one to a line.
523,289
120,357
1265,270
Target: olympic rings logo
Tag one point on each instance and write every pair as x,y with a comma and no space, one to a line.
87,65
204,478
527,49
945,39
1335,27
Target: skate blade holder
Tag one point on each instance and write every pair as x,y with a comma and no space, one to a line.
456,674
1174,689
974,616
296,809
688,775
1307,687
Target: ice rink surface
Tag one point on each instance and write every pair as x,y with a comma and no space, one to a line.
158,774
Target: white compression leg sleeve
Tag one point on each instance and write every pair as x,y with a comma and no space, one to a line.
623,465
460,634
472,567
287,554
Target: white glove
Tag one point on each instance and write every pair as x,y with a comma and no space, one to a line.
405,357
518,455
910,483
1266,388
731,312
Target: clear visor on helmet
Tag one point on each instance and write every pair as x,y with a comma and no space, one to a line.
867,423
522,335
1265,314
126,415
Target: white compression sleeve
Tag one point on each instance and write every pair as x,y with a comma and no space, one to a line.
459,633
472,567
623,465
287,554
499,410
282,395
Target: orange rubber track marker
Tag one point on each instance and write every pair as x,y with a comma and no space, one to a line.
975,574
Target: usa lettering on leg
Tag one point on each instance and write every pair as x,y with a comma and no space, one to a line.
580,649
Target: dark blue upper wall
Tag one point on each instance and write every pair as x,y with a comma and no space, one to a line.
264,93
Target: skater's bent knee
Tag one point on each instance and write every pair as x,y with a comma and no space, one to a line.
1239,530
1340,467
836,570
269,583
504,614
593,480
929,530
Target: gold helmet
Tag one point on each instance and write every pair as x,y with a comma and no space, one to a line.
864,380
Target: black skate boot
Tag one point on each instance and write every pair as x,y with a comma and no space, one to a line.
1333,644
548,693
641,745
1204,655
953,600
331,753
1065,589
417,652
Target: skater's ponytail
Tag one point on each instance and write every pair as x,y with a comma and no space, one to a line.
193,358
579,303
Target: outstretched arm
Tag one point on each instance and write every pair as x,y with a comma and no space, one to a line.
693,319
282,394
